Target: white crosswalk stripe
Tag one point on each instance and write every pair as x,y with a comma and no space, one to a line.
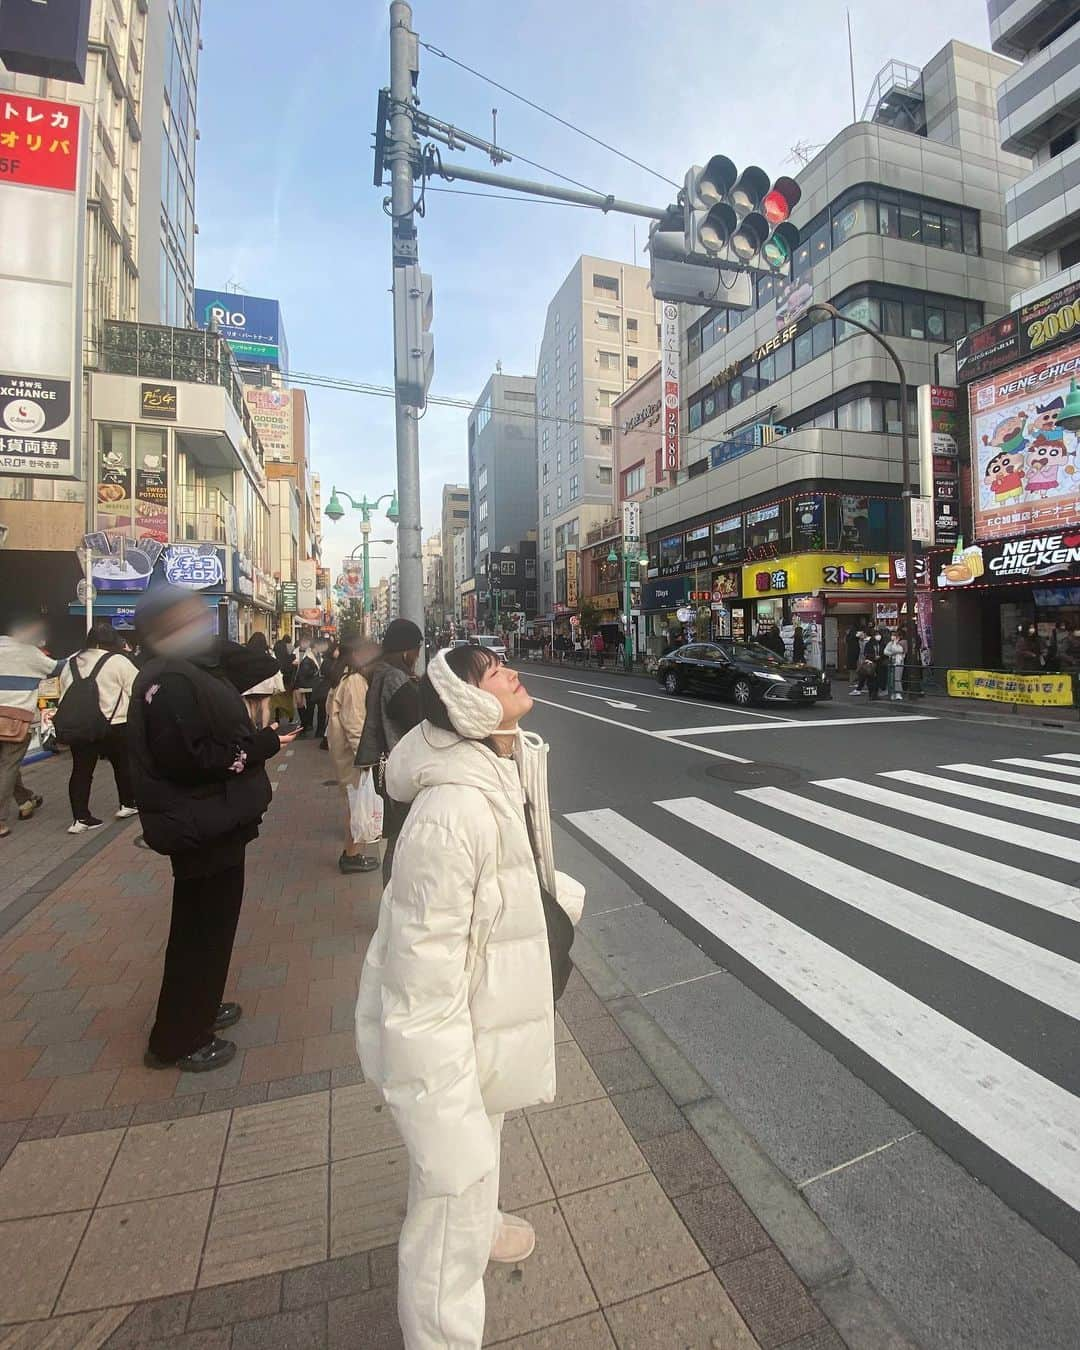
1017,1112
1027,887
1047,783
1056,845
1033,970
1069,770
1034,806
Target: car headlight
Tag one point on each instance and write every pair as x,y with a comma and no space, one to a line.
765,675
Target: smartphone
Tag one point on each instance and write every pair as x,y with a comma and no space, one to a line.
287,728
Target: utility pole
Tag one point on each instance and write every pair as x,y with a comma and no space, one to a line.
403,156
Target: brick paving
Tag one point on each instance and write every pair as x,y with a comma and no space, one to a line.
259,1206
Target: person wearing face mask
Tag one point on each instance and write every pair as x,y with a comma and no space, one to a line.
202,790
455,1016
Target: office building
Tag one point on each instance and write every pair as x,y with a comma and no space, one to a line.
455,522
506,587
787,497
600,336
502,466
1038,107
461,572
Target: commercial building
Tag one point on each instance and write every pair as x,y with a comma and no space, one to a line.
455,524
1039,112
506,588
431,559
502,466
116,243
600,336
786,502
638,457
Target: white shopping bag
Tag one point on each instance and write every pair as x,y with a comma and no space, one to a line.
365,810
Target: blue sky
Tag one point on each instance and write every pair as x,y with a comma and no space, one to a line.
287,209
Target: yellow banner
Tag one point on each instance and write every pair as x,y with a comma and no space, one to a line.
1043,691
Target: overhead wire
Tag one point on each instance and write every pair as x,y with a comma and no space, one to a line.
538,107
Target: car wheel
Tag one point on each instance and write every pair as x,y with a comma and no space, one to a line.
742,693
672,683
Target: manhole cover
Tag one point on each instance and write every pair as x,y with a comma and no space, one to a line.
752,775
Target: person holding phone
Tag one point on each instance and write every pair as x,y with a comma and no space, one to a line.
202,789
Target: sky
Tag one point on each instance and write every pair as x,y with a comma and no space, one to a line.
287,208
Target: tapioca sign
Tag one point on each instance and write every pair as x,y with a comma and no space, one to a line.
158,402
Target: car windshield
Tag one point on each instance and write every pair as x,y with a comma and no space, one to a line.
754,651
486,641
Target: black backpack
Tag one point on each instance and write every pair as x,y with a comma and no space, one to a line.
79,719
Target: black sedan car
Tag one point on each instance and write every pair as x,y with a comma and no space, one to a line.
745,672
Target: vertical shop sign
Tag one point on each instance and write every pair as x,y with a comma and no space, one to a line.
669,380
939,460
152,496
114,485
572,596
41,265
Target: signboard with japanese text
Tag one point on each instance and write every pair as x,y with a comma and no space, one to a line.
152,496
631,521
805,573
251,324
1024,447
306,595
271,411
195,567
572,576
1054,556
939,460
669,384
898,571
1043,323
42,211
1040,691
288,597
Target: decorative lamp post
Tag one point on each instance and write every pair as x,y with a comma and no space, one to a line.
633,559
335,511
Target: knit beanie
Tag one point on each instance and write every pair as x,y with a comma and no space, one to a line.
473,712
402,635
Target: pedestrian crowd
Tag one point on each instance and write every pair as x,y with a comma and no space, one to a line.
455,1018
877,660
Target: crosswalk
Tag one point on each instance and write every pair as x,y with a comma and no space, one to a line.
941,940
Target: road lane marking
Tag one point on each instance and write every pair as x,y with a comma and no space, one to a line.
1039,841
1063,754
1025,1118
642,731
638,693
1034,806
792,725
1041,974
611,702
1019,779
1026,887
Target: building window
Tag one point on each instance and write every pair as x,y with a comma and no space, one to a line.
1061,143
633,480
547,470
547,569
606,435
545,440
609,360
571,338
530,568
547,506
575,487
483,415
605,288
608,397
571,379
481,482
631,330
558,497
575,450
572,416
483,515
558,462
603,473
544,373
483,541
631,368
608,322
547,536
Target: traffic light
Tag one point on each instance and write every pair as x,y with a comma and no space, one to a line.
739,219
414,345
695,280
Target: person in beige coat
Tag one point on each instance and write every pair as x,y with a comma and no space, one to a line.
346,712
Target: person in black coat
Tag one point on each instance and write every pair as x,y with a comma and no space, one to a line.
798,645
775,642
868,671
851,650
201,789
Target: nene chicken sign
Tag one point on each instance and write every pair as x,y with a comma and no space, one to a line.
1037,557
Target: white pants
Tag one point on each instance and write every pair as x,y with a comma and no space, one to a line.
443,1252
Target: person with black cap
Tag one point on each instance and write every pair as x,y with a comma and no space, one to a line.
202,790
393,709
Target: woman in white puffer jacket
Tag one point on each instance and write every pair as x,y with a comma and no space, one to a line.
455,1021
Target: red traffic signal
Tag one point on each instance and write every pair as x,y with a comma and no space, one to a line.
779,203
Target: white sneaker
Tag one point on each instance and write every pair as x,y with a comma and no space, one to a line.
515,1240
126,812
81,826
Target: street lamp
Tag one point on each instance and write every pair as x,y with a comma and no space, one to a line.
823,307
335,511
632,559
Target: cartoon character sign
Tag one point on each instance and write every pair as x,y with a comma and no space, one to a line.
349,584
1025,448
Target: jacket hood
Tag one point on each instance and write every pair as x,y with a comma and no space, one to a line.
430,757
243,667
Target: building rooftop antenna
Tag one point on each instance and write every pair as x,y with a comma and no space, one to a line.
802,152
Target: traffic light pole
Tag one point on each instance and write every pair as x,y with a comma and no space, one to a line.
403,154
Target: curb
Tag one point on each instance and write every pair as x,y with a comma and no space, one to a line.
863,1318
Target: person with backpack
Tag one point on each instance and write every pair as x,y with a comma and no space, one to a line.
95,689
202,789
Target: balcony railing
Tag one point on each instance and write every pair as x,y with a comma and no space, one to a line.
187,355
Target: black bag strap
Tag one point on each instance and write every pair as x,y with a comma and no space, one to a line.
75,676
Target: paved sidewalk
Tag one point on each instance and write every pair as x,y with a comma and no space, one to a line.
258,1207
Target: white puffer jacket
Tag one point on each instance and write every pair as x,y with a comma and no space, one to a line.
455,1020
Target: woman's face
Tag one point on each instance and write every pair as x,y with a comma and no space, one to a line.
504,683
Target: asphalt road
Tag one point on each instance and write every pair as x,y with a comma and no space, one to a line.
862,924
